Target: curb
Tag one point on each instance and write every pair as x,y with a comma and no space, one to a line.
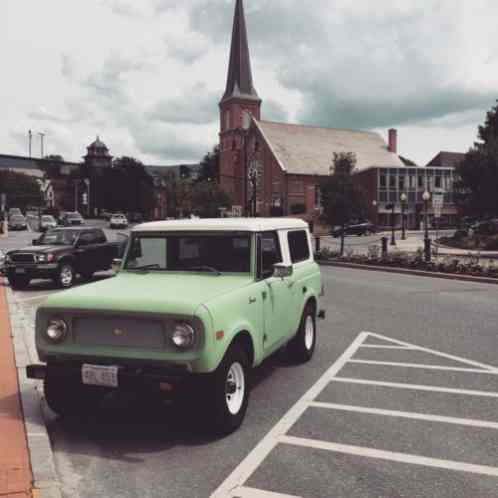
45,481
418,273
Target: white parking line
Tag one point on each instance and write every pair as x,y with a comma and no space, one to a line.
424,365
391,456
416,387
437,353
382,346
412,415
245,492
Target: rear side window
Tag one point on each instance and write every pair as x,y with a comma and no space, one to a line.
298,246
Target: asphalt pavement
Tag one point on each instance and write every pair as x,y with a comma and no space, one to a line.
400,399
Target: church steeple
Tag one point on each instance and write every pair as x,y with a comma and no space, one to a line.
239,80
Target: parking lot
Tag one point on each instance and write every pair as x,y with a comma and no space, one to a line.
401,399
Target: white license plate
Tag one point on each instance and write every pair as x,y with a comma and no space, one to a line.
20,270
99,375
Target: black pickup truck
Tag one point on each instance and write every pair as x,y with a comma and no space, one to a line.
60,254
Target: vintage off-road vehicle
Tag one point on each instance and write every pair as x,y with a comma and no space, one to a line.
194,306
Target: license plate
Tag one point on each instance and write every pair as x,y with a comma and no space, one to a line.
20,270
99,375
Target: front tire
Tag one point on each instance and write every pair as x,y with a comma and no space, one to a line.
302,346
65,276
228,391
69,397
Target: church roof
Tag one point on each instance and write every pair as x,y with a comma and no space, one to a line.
309,150
239,80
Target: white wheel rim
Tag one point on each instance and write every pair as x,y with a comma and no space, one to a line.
66,275
309,332
235,388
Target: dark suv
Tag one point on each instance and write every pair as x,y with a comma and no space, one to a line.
357,228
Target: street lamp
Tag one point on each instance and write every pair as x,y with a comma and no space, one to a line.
427,242
403,199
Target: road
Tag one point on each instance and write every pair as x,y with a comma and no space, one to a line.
400,399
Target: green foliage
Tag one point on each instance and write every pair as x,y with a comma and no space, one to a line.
477,174
22,190
210,165
207,198
342,199
125,187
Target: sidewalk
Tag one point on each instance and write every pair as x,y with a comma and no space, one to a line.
15,470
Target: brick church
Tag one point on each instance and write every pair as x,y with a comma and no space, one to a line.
271,168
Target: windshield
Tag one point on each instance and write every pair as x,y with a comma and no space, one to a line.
18,217
73,216
59,237
214,253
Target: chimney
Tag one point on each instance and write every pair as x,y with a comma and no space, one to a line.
393,141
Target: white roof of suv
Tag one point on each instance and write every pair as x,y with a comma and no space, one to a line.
222,224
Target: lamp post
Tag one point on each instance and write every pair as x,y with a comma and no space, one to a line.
427,242
403,199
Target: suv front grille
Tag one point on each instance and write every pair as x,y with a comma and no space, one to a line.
23,258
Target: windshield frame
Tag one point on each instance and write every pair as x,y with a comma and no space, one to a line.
41,240
179,233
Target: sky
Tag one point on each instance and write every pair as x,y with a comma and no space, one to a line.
147,75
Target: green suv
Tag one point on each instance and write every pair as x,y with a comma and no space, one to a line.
195,305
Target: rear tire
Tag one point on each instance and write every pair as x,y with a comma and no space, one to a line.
19,283
302,346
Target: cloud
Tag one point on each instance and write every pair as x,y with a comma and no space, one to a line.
187,48
125,8
274,111
197,105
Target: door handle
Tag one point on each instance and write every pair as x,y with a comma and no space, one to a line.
252,300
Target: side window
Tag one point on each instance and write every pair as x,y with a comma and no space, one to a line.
268,253
298,246
87,238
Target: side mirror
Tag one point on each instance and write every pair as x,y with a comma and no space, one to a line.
116,264
282,271
35,242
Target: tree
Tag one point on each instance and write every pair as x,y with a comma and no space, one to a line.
50,165
477,174
342,199
210,165
22,190
208,198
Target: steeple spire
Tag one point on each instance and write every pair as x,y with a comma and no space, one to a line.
239,80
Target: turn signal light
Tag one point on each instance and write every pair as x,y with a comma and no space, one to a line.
219,335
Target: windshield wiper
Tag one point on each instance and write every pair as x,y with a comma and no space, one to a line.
145,267
205,268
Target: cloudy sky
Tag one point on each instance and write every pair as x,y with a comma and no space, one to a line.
147,75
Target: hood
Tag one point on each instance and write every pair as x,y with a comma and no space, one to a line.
38,249
177,293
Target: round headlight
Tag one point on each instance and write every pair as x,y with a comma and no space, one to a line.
56,330
183,335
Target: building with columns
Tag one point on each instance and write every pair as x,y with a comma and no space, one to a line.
274,169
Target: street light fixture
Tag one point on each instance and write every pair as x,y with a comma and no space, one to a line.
427,242
403,199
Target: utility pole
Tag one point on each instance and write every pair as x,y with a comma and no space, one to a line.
29,141
42,135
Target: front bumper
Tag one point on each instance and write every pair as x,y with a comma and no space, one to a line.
129,377
47,270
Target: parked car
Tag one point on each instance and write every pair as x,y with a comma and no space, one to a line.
106,215
73,218
14,210
485,227
118,220
357,228
47,222
195,306
17,222
60,254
